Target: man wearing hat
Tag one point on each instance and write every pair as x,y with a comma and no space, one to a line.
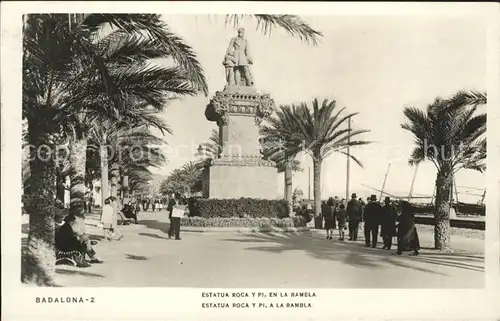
388,223
354,214
71,239
372,216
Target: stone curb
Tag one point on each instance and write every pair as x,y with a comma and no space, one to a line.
243,229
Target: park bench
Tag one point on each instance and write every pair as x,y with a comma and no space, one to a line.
67,258
123,220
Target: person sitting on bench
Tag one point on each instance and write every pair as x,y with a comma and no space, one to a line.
73,244
128,212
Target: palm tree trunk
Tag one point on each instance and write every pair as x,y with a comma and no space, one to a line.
125,189
38,264
78,158
60,187
114,181
317,185
444,183
104,173
288,186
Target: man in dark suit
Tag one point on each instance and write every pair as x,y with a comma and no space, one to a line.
175,222
372,216
72,242
354,213
388,223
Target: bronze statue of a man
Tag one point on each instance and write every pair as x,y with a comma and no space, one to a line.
237,61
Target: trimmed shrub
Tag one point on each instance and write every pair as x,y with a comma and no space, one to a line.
243,222
243,207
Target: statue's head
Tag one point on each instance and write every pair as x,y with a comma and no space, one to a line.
241,32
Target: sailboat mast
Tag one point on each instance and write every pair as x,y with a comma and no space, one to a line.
413,183
348,160
385,179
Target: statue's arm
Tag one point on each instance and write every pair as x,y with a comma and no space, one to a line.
248,53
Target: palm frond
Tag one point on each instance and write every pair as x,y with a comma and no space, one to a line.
292,24
449,132
154,28
153,84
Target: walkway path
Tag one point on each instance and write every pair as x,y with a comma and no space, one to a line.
146,257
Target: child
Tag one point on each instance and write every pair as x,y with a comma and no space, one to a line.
341,219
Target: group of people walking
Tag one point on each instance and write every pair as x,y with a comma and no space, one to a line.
375,216
156,205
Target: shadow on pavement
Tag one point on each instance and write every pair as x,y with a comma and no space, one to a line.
156,225
95,237
136,257
156,236
355,254
83,273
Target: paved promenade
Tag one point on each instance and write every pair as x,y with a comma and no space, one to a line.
146,257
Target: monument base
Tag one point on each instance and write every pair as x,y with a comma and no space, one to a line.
223,180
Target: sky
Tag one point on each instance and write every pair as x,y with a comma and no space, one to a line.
371,65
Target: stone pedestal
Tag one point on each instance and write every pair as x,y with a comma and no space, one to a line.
240,170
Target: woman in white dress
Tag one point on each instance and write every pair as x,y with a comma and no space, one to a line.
109,219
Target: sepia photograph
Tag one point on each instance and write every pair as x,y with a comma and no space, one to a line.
226,152
374,128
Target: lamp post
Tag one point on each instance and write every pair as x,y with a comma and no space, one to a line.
348,165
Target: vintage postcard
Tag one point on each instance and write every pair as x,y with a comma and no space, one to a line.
250,161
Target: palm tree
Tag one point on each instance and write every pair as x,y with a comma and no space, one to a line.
119,137
46,62
213,147
281,144
175,183
137,152
184,180
451,135
192,176
322,132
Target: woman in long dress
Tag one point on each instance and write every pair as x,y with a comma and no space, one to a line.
109,219
406,231
329,216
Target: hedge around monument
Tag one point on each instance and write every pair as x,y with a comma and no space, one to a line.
242,207
244,222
